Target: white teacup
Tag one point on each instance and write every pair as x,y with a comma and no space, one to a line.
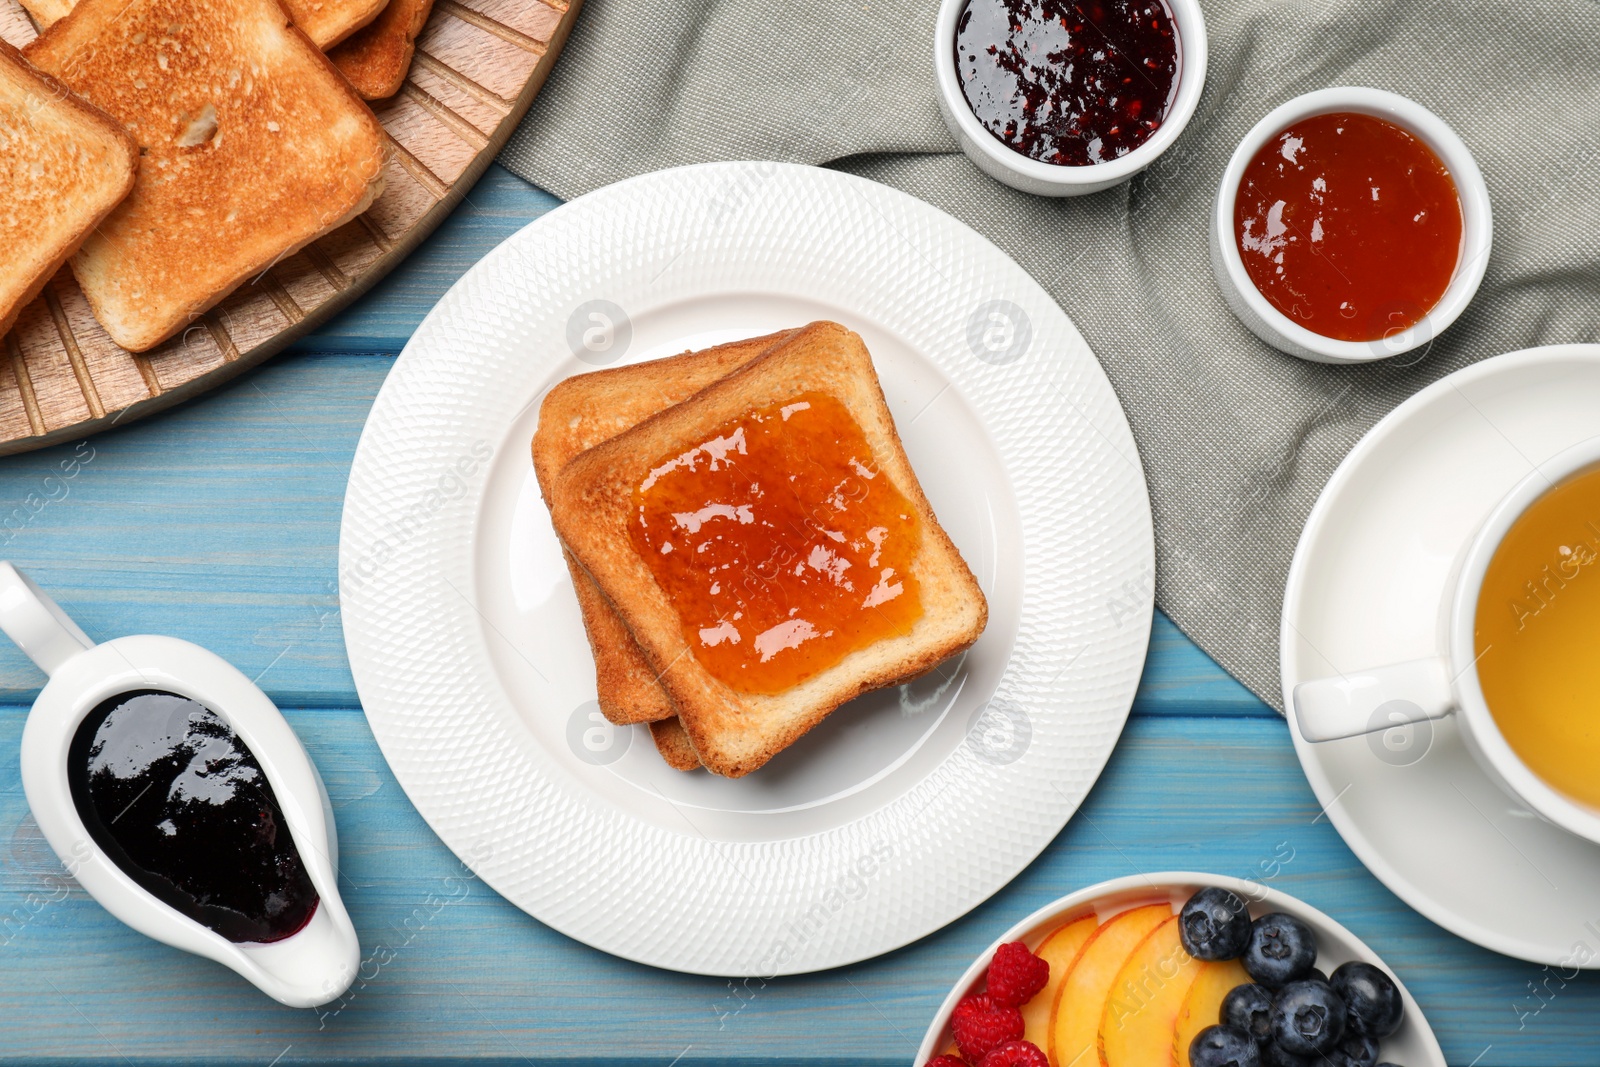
1399,694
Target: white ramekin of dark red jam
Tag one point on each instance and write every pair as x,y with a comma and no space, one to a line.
175,792
1067,97
1350,225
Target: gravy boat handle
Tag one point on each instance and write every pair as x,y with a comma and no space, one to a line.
1371,701
36,623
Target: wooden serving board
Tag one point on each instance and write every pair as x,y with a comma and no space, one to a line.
478,65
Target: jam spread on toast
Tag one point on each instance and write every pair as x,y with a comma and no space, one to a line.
780,544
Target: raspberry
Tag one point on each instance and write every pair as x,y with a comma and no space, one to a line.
1016,1054
1016,975
979,1024
947,1061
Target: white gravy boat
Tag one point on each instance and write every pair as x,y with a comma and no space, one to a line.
310,967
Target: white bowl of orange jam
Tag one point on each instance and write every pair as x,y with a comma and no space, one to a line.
1351,225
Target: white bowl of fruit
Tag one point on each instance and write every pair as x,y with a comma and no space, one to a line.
1179,968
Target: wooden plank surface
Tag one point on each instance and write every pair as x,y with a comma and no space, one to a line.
470,976
219,522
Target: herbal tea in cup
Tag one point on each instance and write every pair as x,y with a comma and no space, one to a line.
1537,636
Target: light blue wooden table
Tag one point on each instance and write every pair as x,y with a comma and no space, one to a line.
219,523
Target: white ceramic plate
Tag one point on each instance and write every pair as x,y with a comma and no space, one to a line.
904,809
1364,590
1413,1044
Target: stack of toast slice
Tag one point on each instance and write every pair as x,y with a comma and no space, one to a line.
171,150
370,41
600,437
64,166
578,414
250,146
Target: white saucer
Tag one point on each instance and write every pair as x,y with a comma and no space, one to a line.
1364,590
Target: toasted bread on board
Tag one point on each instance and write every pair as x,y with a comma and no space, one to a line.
578,414
64,165
592,504
326,22
47,12
376,57
331,22
251,146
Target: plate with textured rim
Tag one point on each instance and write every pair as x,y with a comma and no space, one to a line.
477,68
471,661
1365,588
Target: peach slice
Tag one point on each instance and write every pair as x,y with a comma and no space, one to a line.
1203,1006
1059,950
1142,1007
1081,1000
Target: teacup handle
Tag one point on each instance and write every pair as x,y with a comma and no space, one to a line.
36,623
1378,699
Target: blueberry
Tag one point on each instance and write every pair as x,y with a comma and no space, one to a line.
1274,1056
1308,1018
1353,1050
1282,949
1249,1007
1224,1046
1374,1000
1214,924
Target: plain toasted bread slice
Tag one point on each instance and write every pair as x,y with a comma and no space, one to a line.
330,22
64,165
578,414
326,22
672,741
376,57
592,505
47,12
251,146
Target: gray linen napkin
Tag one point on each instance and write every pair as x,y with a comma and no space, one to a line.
1237,439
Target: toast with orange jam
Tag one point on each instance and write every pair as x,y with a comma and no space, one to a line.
769,548
578,414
